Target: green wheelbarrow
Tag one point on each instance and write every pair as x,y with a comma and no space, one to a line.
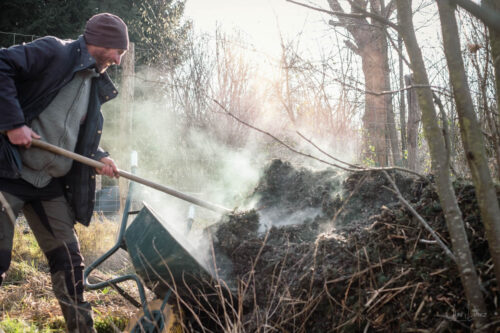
162,260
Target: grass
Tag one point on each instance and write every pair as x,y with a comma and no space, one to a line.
26,298
96,239
26,248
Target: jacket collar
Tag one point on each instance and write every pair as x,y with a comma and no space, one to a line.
107,90
85,60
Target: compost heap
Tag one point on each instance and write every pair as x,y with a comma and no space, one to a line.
325,253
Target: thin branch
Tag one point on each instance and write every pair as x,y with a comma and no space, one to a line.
489,16
362,15
276,139
321,150
390,92
310,156
401,55
419,218
359,273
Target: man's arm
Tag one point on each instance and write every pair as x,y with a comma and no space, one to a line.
17,64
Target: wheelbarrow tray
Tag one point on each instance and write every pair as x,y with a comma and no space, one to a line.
162,257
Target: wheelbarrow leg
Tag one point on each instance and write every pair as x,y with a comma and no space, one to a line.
165,300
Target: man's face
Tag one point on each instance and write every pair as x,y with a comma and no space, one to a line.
105,57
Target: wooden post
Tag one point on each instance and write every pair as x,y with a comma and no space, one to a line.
125,119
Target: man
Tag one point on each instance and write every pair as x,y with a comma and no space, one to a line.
52,90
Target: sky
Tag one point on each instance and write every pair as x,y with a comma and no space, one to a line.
259,21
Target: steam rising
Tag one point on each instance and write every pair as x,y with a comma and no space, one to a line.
278,218
186,142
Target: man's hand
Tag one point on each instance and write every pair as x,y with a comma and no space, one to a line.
110,169
22,136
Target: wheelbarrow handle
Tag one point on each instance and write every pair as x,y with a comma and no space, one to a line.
96,164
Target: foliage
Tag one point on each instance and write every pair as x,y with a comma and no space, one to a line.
159,32
154,25
64,19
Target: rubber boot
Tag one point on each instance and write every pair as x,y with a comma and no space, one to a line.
77,313
78,316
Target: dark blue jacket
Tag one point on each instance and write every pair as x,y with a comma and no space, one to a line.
31,75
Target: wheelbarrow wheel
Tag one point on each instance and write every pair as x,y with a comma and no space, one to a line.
163,320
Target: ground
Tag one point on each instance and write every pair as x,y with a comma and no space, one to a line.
26,298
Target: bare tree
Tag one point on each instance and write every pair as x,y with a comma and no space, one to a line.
472,136
481,78
317,102
495,44
370,43
413,124
440,165
402,113
366,21
495,55
235,88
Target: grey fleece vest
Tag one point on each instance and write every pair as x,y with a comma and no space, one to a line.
58,124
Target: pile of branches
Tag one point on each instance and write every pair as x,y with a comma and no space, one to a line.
363,263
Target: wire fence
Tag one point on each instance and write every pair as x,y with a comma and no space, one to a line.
16,38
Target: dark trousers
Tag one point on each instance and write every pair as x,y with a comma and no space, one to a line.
52,223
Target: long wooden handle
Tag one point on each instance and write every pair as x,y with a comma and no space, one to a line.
96,164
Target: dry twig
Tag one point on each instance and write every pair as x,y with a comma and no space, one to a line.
344,278
419,218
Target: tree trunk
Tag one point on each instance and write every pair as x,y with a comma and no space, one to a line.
413,123
495,55
437,148
472,137
371,45
445,129
495,47
402,113
375,116
391,121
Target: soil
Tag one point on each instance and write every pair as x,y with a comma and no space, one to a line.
328,252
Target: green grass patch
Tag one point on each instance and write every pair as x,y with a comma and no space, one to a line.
9,325
110,324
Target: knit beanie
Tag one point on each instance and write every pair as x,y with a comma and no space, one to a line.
106,30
